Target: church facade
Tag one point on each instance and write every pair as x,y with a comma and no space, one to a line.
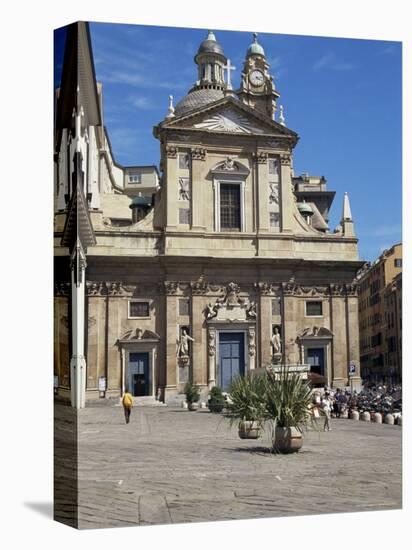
222,264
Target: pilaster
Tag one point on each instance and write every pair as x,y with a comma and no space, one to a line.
286,195
261,159
339,352
171,187
170,290
199,374
264,324
198,157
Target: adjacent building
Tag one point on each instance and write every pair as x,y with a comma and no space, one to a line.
219,262
380,317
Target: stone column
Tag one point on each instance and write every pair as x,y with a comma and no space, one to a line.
197,189
170,289
78,361
199,365
262,194
286,195
353,335
338,327
265,324
172,189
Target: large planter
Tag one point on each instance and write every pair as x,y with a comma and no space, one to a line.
193,406
249,429
287,440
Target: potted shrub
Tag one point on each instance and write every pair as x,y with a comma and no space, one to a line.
216,402
287,404
192,396
246,404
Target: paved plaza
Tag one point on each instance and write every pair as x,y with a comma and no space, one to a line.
172,466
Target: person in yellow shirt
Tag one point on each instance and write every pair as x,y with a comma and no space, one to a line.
127,402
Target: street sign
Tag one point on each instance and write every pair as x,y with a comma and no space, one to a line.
352,370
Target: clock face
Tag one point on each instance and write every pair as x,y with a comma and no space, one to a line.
256,78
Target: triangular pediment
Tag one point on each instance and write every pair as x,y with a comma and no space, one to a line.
229,116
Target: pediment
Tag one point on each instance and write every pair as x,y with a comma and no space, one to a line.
229,116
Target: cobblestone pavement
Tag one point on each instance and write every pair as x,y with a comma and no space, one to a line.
172,465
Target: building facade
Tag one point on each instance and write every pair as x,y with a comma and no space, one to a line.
224,265
380,318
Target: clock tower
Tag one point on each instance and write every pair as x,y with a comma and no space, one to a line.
257,89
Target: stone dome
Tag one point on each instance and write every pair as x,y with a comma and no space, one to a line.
255,48
197,99
210,45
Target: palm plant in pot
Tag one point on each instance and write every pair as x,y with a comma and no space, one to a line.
287,405
246,405
192,396
216,402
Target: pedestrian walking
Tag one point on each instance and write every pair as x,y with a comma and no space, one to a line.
326,408
127,402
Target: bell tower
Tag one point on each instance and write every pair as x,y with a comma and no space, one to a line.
257,89
210,60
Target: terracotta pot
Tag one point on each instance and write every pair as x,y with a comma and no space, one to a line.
287,440
249,429
193,406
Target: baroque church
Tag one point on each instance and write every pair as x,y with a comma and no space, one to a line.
218,262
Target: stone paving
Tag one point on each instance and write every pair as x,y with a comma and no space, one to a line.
172,465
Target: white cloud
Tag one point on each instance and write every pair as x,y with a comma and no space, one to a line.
330,61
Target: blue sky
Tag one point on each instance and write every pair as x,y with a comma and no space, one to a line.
342,97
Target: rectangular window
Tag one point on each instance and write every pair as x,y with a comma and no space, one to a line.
184,215
398,262
183,161
314,309
274,219
230,207
139,309
135,178
183,307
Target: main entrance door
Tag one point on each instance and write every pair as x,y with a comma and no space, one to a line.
231,357
139,374
316,360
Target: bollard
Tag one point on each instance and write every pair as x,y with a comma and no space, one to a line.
365,416
377,417
184,405
399,419
389,419
344,413
354,415
202,405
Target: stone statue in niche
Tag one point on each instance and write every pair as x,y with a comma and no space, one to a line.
184,189
183,347
276,343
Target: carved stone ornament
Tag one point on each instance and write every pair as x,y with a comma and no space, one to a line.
170,287
337,290
95,288
273,193
229,165
251,341
261,157
198,153
211,343
292,289
352,289
199,287
266,289
171,151
116,288
285,160
251,311
62,289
